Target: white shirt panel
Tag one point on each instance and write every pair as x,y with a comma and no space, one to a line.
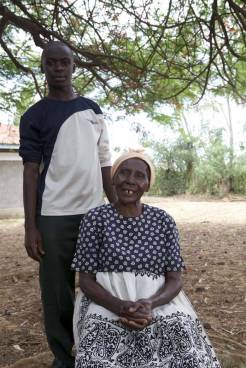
73,182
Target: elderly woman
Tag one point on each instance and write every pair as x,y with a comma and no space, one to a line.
131,311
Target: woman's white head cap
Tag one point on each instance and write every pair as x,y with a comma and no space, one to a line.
134,154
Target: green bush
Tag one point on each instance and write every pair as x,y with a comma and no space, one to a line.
168,183
198,168
239,175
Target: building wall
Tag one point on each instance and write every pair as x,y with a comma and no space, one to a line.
11,170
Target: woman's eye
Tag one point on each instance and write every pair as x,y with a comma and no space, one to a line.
140,175
123,172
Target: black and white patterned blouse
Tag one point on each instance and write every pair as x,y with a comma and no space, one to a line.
109,242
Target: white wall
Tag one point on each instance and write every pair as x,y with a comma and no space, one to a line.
11,170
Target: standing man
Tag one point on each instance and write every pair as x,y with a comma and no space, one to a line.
65,150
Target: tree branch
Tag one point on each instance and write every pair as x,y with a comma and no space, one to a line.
20,66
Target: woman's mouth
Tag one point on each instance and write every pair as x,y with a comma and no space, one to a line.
128,191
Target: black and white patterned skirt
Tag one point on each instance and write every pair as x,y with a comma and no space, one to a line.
175,338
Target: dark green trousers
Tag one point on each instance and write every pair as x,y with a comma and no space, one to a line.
57,282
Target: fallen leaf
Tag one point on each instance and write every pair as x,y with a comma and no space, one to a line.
17,347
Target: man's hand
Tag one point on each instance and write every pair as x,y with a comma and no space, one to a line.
33,243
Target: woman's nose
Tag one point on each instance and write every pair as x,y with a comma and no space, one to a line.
130,179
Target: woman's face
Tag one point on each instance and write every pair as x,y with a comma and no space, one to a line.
131,180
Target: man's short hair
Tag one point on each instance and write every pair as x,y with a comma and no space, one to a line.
52,44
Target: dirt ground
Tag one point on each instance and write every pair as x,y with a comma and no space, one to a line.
213,238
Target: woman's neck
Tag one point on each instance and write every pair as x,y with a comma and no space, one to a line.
129,209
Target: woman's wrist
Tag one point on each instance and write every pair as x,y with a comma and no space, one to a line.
115,306
155,301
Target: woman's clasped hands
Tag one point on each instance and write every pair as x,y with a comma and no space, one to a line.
136,315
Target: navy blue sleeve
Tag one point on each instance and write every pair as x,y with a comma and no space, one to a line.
30,142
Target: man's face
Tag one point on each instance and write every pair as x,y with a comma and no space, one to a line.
58,66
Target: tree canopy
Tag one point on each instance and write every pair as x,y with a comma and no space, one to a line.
137,54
